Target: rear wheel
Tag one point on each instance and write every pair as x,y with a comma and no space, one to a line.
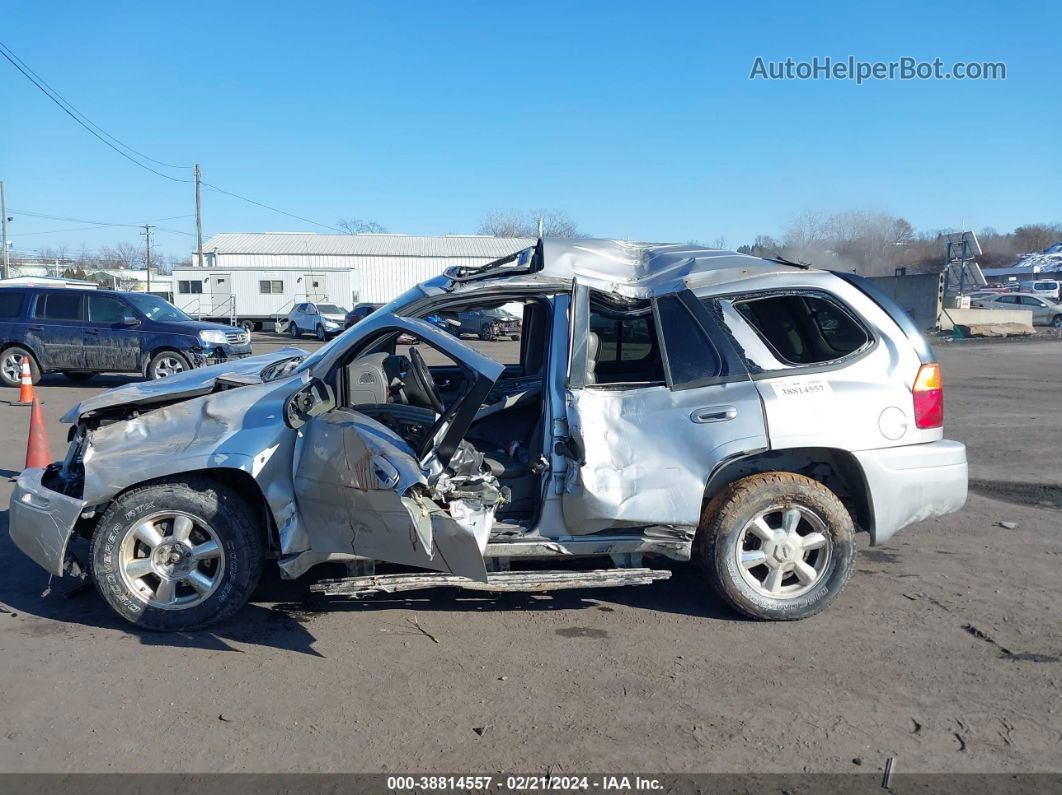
167,363
248,326
78,375
177,556
777,546
11,366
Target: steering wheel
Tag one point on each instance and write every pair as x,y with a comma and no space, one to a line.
422,375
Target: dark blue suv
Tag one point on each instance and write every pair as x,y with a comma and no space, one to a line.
81,332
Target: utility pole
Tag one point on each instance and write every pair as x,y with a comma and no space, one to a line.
3,234
198,218
147,254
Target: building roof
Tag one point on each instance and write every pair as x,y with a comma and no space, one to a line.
477,246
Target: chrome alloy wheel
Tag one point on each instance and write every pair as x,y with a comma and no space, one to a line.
171,560
12,366
167,365
784,551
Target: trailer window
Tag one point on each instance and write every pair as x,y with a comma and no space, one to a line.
271,286
190,287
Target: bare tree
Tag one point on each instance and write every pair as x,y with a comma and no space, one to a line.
518,223
1036,237
358,226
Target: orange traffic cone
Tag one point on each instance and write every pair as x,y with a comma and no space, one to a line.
38,454
25,392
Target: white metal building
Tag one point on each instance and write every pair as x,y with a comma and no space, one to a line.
381,266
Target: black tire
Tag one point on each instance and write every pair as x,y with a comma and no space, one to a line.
229,517
486,332
167,360
293,330
735,508
1057,321
10,366
514,337
78,375
249,326
321,335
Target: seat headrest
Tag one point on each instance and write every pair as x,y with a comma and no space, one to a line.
593,346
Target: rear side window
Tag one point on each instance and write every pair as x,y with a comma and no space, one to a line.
624,349
10,304
104,309
796,330
59,306
691,357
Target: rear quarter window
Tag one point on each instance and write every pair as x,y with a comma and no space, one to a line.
11,304
59,306
795,330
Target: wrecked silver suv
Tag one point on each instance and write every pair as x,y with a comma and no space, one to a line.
667,402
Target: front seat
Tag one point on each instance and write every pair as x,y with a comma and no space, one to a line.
593,347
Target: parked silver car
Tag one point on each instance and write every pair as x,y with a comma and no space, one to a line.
1045,312
669,402
321,320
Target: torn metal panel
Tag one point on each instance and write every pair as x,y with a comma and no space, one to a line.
362,490
41,520
502,581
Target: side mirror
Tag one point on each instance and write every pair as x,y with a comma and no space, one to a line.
312,400
129,320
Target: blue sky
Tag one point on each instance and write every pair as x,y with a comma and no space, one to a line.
638,119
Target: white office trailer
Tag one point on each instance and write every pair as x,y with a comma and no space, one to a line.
256,297
253,279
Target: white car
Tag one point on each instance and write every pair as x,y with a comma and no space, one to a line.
321,320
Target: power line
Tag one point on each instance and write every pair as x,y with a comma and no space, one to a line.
64,103
102,135
274,209
34,214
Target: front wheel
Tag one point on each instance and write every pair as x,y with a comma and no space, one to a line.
293,330
1057,322
321,333
487,332
777,546
167,363
177,556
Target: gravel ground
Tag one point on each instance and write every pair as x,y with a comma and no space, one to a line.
945,651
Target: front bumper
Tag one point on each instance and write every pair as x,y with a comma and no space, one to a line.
219,354
41,521
911,483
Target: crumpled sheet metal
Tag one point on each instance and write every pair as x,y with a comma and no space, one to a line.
639,471
188,384
359,491
641,270
237,429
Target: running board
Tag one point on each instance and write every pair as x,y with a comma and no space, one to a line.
530,581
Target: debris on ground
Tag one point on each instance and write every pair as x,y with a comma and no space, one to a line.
1007,525
416,623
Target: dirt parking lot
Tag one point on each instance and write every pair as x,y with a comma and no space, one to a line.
945,651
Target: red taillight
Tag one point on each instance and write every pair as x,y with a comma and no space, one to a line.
928,392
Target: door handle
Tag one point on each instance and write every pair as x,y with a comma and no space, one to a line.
713,414
36,328
91,331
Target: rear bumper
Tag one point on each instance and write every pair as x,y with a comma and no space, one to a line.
41,521
911,483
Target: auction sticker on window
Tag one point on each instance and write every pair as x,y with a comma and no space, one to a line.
801,388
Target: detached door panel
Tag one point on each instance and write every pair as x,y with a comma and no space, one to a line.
350,480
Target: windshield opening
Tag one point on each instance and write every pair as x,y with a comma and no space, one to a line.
155,308
331,309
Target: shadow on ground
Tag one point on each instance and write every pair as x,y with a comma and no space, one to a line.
282,611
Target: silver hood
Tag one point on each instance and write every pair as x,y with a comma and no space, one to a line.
182,386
